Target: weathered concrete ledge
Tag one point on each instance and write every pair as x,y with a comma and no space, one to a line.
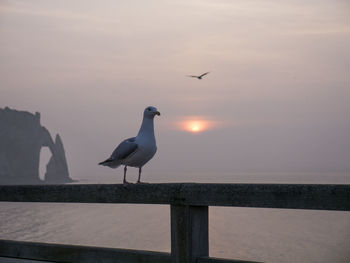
294,196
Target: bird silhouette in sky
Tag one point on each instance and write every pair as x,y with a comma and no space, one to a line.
198,77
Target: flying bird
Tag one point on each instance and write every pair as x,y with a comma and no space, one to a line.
198,77
136,151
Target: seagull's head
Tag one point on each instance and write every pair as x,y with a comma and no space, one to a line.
150,112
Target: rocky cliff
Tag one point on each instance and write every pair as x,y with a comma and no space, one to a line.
21,139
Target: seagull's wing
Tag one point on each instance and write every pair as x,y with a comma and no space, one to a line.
204,74
191,76
123,150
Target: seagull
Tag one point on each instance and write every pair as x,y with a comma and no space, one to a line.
198,77
136,151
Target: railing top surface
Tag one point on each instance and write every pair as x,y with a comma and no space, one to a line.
296,196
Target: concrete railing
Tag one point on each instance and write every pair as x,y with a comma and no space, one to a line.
189,215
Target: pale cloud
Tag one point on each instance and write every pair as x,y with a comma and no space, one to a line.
279,75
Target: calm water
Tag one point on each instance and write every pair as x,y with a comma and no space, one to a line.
271,235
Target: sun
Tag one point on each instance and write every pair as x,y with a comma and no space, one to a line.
195,124
195,128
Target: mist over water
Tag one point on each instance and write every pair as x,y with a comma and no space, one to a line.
277,97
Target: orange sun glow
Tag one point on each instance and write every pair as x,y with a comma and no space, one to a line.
195,125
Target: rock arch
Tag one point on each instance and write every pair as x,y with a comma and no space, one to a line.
21,139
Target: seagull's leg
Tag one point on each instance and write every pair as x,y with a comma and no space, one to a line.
140,170
124,181
139,180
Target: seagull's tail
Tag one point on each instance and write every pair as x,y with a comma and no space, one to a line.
104,163
110,163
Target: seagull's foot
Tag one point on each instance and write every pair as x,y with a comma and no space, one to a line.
126,183
139,182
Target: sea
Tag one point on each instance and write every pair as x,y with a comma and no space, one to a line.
257,234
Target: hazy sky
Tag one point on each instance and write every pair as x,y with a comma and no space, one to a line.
277,96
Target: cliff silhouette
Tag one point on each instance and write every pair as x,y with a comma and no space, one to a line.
21,139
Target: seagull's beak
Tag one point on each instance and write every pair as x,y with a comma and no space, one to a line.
157,113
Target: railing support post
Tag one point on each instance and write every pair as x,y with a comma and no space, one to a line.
189,233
